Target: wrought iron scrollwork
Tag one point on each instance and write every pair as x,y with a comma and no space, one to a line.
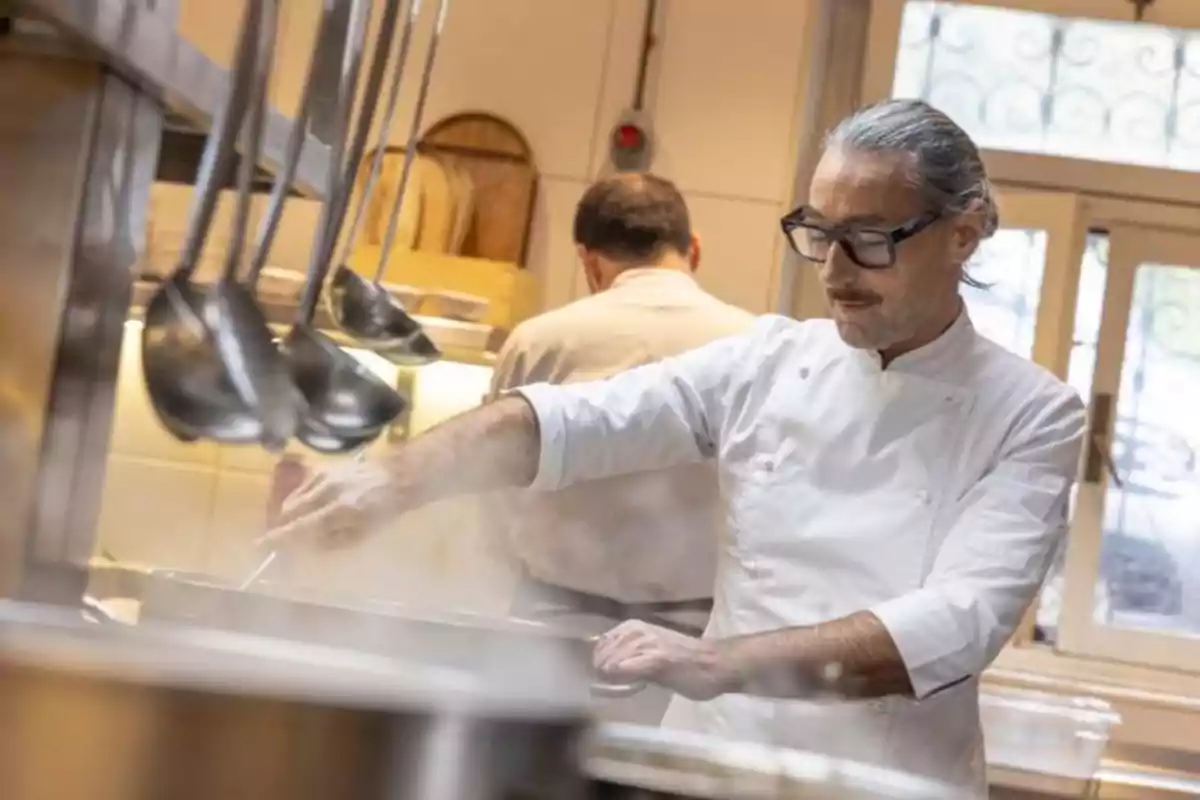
1033,82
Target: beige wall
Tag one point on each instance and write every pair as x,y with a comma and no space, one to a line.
724,93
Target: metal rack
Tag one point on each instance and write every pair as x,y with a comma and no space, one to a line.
137,40
85,86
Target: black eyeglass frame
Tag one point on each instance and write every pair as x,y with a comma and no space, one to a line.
798,218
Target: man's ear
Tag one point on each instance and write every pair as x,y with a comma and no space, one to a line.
967,232
693,253
591,268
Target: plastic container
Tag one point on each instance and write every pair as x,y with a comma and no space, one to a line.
1045,733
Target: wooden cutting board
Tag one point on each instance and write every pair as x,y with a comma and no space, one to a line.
503,178
380,210
464,201
438,206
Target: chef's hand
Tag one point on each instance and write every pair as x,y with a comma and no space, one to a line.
639,651
336,508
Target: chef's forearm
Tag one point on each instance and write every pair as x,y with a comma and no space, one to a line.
492,447
854,656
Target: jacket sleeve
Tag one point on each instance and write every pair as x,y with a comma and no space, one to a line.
995,556
656,416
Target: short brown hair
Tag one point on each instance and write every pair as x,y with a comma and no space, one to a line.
633,216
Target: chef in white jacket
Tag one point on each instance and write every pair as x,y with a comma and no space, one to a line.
895,484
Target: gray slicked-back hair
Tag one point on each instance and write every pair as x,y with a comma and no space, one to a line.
947,167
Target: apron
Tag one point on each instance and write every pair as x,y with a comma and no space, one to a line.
834,502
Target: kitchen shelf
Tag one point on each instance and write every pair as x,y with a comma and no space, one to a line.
470,342
138,40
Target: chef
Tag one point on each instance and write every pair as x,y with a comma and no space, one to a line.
641,546
895,484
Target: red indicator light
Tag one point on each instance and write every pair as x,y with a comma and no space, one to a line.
629,137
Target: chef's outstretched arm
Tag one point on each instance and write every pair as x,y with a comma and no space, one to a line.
985,574
544,436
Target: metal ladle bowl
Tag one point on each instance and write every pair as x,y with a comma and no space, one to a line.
377,320
348,404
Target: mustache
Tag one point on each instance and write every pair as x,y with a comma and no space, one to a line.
852,296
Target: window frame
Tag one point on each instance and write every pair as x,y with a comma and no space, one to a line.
1130,247
1035,170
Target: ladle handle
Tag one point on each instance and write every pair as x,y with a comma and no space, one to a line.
219,149
266,28
410,147
258,570
352,17
362,125
389,118
287,170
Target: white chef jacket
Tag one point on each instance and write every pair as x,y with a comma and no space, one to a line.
932,492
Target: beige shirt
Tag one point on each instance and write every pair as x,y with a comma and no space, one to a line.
645,537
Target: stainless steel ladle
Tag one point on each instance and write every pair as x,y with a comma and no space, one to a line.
365,309
189,387
238,328
348,405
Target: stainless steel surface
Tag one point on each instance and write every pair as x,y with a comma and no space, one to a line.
190,388
237,328
348,405
138,39
117,712
513,650
77,154
365,310
676,764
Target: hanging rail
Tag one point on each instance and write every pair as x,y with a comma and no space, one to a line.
139,41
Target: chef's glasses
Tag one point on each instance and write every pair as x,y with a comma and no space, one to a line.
870,247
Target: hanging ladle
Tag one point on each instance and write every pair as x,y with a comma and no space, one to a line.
403,337
365,309
348,405
189,387
239,330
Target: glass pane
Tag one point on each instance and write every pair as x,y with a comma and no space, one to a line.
1088,308
1150,558
1036,83
1010,266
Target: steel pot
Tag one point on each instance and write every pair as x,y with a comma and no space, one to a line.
115,712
